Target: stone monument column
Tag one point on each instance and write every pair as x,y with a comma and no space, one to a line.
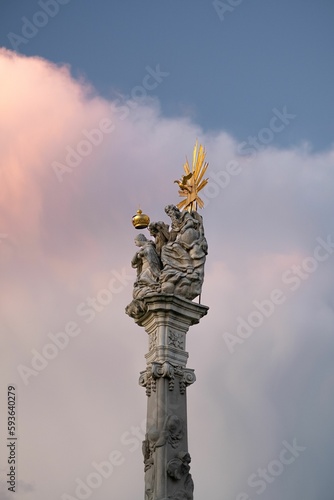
170,274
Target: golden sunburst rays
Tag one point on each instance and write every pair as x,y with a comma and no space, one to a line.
192,182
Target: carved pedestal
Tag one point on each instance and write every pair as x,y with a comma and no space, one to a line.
166,319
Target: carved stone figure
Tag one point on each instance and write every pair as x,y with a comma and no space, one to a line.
174,263
153,439
148,469
160,231
183,256
178,469
174,428
148,265
179,466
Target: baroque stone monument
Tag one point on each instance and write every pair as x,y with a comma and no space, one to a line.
170,274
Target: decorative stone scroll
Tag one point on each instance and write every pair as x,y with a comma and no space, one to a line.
154,371
188,377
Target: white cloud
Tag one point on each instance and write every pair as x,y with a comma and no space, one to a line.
67,239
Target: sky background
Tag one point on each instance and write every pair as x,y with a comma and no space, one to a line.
100,104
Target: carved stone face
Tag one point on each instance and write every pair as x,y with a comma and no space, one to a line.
153,230
140,240
173,211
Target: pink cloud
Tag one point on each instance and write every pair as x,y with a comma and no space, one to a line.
65,239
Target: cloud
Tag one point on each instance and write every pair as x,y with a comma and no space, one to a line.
74,169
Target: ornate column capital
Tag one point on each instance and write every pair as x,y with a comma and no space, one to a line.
148,378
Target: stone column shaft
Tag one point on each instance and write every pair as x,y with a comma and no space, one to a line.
166,457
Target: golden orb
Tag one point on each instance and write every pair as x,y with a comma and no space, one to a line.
140,220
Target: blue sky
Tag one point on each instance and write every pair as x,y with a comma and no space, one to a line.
98,111
226,72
